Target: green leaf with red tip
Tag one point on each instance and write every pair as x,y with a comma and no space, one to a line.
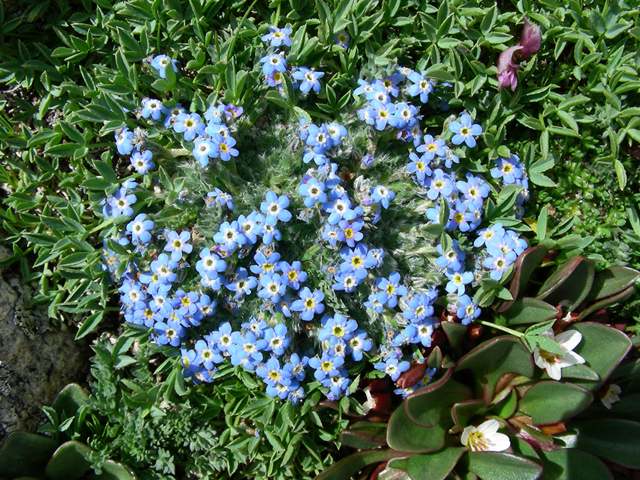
405,436
607,302
611,281
524,266
492,359
528,310
602,360
428,405
436,465
365,435
549,402
462,412
570,284
569,464
612,439
501,466
347,467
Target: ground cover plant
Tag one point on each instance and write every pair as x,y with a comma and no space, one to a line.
307,212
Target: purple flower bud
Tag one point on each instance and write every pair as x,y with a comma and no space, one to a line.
531,39
507,69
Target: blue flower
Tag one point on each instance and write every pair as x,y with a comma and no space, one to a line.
273,63
139,229
292,275
207,354
458,281
241,283
475,189
141,161
467,310
391,288
121,203
393,368
277,36
272,287
326,367
465,131
220,198
367,161
176,244
124,141
499,263
419,166
452,259
169,333
203,150
342,39
374,303
309,79
229,235
159,62
190,125
421,86
432,147
440,184
172,115
404,115
347,281
222,338
223,147
272,373
309,304
487,234
277,339
351,231
357,260
382,195
381,113
419,308
275,208
337,327
509,169
152,108
214,114
336,132
313,191
264,264
319,138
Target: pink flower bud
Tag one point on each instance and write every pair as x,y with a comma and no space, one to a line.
531,39
507,69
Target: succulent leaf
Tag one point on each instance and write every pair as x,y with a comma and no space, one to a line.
569,463
462,412
405,436
528,310
500,466
436,465
612,280
614,440
25,454
619,297
549,402
570,284
492,359
365,435
524,266
348,466
69,461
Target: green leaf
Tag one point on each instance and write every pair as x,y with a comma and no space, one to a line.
462,412
569,464
348,466
70,399
492,359
276,98
428,405
614,440
70,461
612,280
90,324
524,266
62,150
620,173
106,171
436,465
602,360
570,284
25,454
541,180
364,435
549,402
405,436
500,466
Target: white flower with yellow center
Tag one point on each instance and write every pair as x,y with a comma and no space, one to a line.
485,438
553,363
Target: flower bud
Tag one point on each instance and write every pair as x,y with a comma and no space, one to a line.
507,69
531,39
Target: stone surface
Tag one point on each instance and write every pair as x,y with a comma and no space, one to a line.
37,357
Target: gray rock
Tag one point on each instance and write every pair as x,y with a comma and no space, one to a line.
37,357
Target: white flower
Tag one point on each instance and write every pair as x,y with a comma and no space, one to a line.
553,363
485,438
611,395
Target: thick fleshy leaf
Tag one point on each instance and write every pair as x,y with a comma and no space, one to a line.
506,407
428,405
602,360
25,454
436,465
492,359
570,284
612,280
628,403
405,436
612,439
569,464
581,372
70,461
348,466
523,449
455,333
115,471
549,402
524,266
464,411
70,399
607,302
392,474
365,435
501,466
528,310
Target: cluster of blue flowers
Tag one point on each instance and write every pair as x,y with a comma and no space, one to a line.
275,65
241,261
